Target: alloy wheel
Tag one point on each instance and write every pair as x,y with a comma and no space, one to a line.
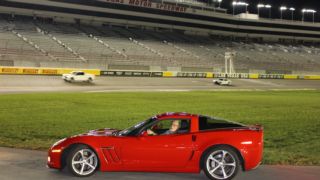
221,164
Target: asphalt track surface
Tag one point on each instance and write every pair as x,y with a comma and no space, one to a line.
16,164
30,83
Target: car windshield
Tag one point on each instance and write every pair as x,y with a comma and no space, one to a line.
133,129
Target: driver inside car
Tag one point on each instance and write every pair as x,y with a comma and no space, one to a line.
174,129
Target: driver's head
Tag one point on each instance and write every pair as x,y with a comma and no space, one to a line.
175,125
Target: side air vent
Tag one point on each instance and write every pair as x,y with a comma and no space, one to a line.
110,155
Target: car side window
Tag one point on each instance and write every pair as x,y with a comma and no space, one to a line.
169,126
207,123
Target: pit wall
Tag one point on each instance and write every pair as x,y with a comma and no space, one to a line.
167,74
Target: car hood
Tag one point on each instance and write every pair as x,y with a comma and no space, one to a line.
102,132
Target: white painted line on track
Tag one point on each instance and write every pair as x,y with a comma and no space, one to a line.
141,90
304,89
190,90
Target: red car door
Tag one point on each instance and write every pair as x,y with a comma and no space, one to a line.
153,152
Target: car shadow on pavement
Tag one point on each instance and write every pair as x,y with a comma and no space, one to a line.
64,174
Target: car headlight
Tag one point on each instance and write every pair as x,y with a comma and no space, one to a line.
58,142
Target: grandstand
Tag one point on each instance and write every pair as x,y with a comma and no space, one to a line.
35,42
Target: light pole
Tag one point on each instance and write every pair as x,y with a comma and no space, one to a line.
308,11
246,7
282,8
233,6
292,11
239,3
268,6
260,6
219,1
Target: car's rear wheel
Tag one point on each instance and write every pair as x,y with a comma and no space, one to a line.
82,161
89,80
221,163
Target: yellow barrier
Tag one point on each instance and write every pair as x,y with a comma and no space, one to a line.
209,75
167,74
253,76
312,77
289,76
49,71
43,71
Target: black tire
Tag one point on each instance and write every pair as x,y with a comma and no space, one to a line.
89,80
74,154
231,157
72,80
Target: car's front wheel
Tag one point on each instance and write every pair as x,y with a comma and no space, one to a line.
82,161
221,163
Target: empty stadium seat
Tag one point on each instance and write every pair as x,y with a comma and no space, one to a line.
111,45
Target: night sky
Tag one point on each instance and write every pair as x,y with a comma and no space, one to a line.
298,4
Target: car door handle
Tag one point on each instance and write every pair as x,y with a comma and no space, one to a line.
194,138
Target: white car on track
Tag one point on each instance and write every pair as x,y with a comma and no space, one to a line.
78,76
222,82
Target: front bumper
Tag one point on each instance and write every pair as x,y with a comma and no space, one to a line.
54,158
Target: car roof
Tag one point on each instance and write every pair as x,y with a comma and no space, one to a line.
174,114
76,71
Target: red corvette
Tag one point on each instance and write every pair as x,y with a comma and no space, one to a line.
170,142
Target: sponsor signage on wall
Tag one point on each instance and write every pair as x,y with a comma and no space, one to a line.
192,75
232,75
149,4
271,76
131,73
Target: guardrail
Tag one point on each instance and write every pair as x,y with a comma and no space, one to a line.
116,73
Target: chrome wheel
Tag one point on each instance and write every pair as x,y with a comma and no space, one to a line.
221,164
84,162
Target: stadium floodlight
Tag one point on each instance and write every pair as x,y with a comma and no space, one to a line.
282,8
292,9
239,3
260,5
308,11
267,6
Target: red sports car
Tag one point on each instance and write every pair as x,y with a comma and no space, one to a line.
170,142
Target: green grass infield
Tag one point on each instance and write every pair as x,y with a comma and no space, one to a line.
291,119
